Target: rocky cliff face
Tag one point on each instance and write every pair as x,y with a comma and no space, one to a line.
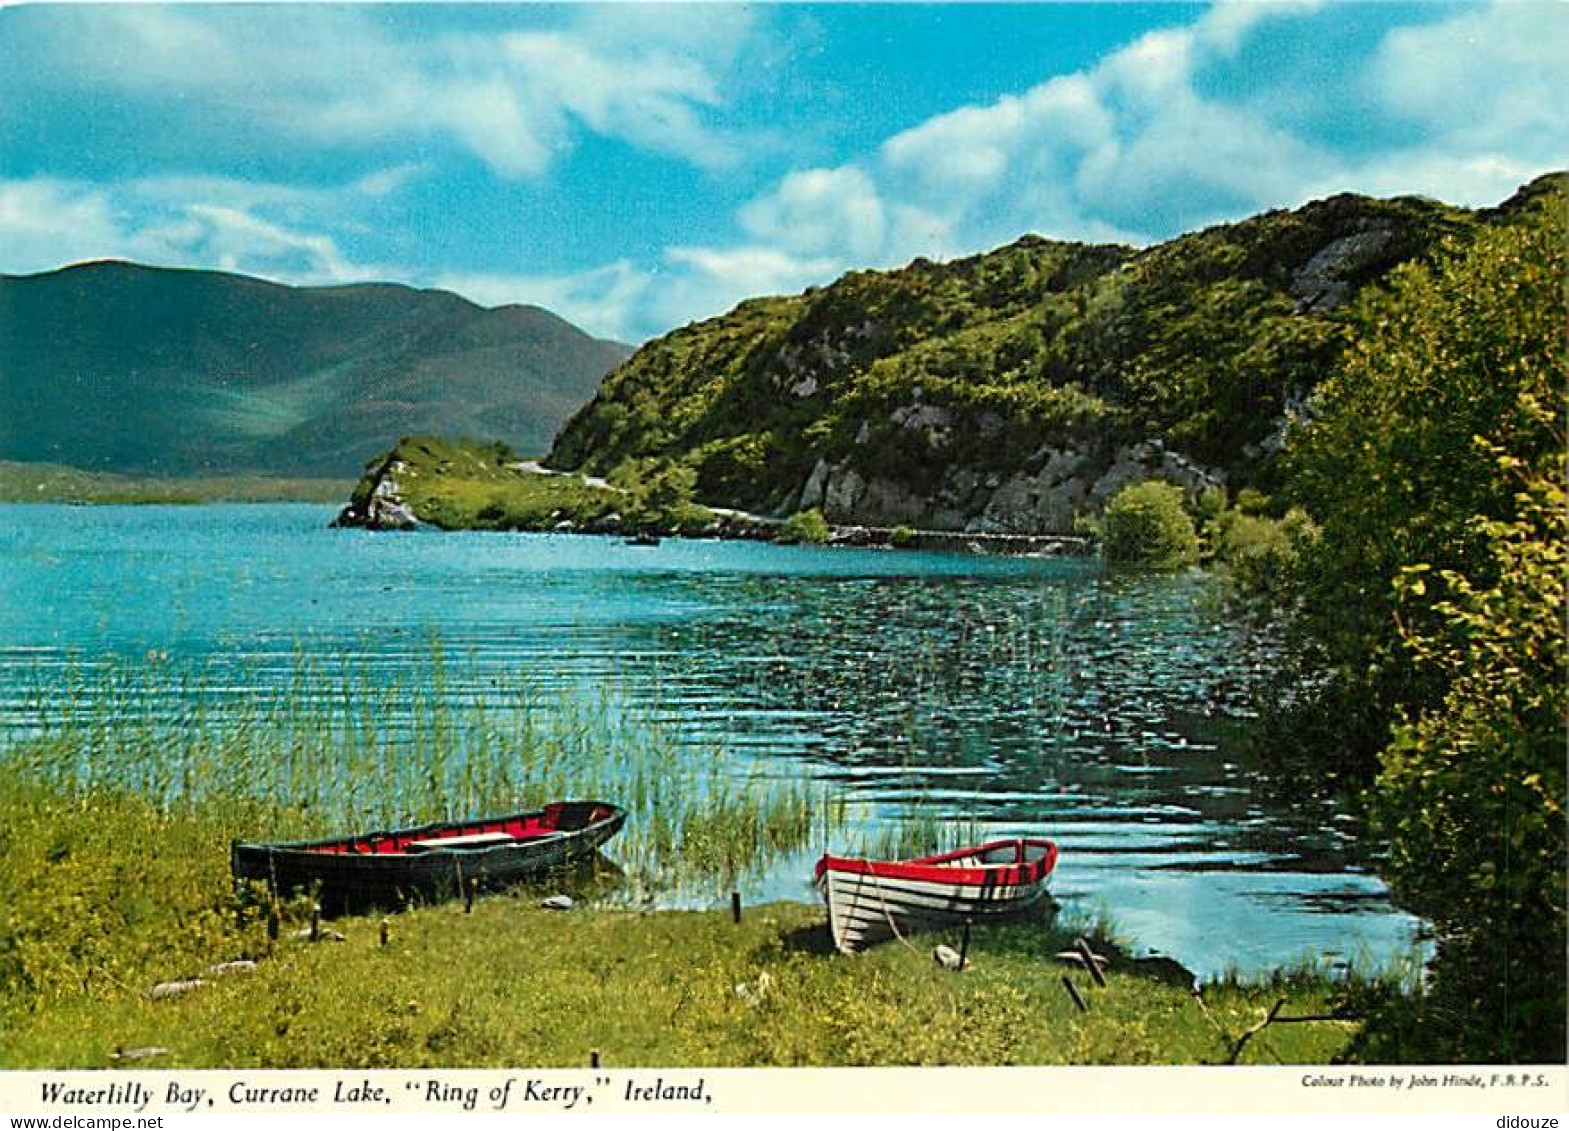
1046,495
1016,391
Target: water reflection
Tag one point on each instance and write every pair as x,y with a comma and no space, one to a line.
1012,696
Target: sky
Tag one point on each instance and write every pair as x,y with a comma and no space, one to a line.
637,166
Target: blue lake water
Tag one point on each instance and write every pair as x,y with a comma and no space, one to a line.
1012,695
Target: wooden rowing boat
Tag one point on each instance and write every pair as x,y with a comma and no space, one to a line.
391,868
870,901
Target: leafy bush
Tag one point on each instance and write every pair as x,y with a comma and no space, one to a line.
1261,554
1472,793
1389,469
1433,604
662,497
1146,525
1203,340
902,537
804,526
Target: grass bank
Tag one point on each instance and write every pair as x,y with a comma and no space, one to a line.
469,485
331,746
123,785
106,895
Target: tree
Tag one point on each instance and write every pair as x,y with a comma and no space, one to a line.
804,526
1389,471
1435,596
659,497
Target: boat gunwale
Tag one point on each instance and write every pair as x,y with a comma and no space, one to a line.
936,869
313,849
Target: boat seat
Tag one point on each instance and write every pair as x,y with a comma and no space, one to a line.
469,840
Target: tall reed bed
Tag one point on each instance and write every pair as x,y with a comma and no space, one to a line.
335,745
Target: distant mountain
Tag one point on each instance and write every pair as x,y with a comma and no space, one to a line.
1017,390
121,367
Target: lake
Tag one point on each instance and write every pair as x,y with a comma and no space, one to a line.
1013,696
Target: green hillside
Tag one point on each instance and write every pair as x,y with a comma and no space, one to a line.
119,367
1016,390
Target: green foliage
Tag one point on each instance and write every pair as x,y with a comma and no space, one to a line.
53,483
1146,525
1390,471
807,526
338,748
661,498
1261,554
1203,341
1434,600
104,896
1472,792
901,537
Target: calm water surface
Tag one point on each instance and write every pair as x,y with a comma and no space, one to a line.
1011,695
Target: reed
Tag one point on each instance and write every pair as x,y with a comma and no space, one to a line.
333,745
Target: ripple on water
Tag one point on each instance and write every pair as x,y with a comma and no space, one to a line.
1009,696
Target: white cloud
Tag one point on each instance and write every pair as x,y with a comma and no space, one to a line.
1156,138
1488,87
173,221
43,222
753,270
304,76
1141,147
606,301
821,211
630,303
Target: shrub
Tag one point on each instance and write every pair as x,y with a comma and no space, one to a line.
661,497
1434,600
1146,525
804,526
902,537
1261,553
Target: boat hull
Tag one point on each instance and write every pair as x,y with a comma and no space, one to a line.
870,902
381,870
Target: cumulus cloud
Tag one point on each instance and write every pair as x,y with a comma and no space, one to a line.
300,76
44,222
1486,87
1183,126
820,211
1166,135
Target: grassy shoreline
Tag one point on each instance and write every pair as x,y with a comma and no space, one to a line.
107,895
116,816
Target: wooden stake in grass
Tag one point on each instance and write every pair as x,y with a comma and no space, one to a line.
315,922
593,1058
964,945
735,906
386,931
1073,992
468,902
1091,962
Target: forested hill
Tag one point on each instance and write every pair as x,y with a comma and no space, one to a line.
120,367
1014,390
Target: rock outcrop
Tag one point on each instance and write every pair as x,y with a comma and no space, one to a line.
378,502
1047,495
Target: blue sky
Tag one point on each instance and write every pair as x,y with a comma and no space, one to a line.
637,166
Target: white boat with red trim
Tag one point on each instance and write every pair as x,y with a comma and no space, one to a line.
870,901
